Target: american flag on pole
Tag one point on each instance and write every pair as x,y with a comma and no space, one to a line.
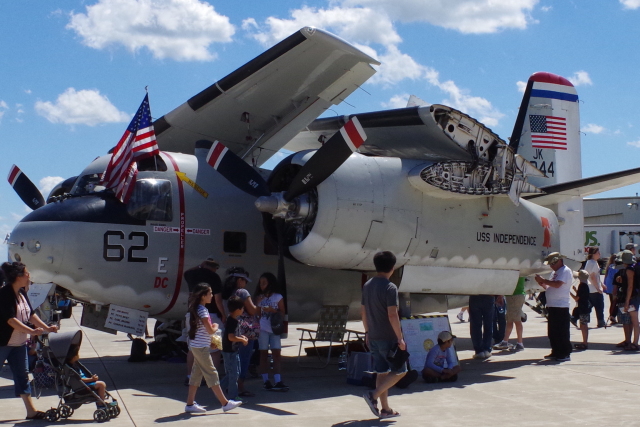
137,143
548,132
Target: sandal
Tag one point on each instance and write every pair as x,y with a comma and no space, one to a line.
39,415
581,346
631,347
389,414
373,403
246,394
622,344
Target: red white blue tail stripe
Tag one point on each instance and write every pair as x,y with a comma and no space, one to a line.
216,154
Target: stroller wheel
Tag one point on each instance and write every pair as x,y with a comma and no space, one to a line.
100,416
113,411
52,415
65,411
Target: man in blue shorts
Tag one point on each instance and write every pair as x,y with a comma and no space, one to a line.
379,312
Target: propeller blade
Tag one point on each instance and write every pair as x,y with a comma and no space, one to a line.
26,189
236,170
327,159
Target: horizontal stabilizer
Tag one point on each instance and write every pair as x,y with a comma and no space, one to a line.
585,187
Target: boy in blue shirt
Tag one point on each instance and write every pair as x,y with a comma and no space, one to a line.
441,363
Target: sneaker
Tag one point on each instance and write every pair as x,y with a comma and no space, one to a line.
280,387
231,404
479,355
550,356
194,409
486,355
503,345
267,385
602,324
518,347
460,317
563,359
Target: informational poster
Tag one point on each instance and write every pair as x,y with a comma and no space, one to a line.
128,320
421,334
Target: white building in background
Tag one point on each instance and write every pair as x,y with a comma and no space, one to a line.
611,223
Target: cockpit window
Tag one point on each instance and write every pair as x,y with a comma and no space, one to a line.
88,184
151,200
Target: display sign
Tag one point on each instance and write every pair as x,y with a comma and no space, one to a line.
38,293
421,334
127,320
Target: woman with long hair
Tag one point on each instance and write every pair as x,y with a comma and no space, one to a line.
200,329
269,301
235,284
17,322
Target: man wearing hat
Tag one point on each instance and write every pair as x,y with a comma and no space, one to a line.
558,290
441,363
631,247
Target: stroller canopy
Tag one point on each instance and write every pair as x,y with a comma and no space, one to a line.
60,343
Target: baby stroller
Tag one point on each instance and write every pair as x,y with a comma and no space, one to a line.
71,389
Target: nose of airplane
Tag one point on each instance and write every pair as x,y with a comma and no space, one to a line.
40,246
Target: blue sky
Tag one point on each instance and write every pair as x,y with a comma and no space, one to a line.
72,73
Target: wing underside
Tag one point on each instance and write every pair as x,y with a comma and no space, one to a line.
256,109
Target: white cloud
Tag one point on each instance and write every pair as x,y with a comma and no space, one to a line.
397,101
580,78
27,91
546,8
634,143
3,104
522,86
466,16
181,30
87,107
48,182
592,128
363,26
630,4
355,24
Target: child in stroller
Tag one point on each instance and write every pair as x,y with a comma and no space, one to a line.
75,383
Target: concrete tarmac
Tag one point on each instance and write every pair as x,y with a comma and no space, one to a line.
598,387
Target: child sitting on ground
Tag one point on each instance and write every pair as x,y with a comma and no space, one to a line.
441,363
584,309
100,387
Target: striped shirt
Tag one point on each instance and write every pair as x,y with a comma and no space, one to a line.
202,337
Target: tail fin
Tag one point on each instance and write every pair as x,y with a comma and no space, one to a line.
547,133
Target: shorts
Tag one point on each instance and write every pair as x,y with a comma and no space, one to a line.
623,318
514,307
584,319
379,350
269,340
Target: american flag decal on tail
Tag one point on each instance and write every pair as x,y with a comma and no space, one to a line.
548,132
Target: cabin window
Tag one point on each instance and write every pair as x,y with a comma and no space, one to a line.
235,242
151,200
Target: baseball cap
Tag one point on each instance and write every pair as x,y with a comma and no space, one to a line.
242,275
630,246
211,262
626,257
445,336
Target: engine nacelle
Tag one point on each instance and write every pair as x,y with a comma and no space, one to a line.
369,205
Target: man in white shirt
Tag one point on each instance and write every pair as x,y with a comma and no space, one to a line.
557,289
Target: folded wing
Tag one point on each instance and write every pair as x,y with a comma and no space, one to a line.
258,108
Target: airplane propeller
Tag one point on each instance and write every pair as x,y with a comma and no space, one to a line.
318,168
26,189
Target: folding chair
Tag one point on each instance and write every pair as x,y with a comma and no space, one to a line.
331,328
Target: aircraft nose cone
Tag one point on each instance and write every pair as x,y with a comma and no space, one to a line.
40,246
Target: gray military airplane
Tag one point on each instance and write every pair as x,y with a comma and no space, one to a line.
464,211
